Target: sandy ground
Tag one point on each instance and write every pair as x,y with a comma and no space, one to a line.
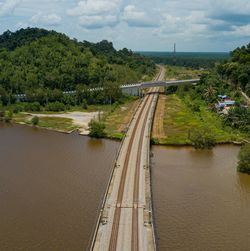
80,119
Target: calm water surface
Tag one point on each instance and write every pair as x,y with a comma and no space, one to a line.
51,185
201,202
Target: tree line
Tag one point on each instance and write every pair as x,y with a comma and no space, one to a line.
189,60
43,64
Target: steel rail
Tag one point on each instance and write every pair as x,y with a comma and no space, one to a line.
135,236
116,219
135,214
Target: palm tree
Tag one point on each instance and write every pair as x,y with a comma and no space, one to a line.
209,93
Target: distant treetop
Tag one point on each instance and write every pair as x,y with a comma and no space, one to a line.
11,40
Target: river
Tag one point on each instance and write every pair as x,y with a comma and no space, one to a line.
51,185
201,202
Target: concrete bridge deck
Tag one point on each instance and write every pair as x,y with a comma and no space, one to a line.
131,89
125,221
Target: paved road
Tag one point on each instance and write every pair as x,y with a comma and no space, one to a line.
125,221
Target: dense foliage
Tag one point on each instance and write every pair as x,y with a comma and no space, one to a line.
44,64
239,118
244,159
202,138
237,69
97,129
35,120
186,59
229,78
10,40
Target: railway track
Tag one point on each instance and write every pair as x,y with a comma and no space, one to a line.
135,236
125,203
115,228
114,234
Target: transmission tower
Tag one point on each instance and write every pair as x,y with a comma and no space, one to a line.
174,58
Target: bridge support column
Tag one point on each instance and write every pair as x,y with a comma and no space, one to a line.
133,91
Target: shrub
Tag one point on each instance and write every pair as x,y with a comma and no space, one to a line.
84,104
55,107
17,108
32,107
97,129
35,120
239,118
201,138
154,141
244,159
8,116
195,106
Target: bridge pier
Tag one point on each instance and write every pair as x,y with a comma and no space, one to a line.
132,91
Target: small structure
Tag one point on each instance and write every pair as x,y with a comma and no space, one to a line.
224,104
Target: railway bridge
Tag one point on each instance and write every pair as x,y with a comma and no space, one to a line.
136,89
131,89
125,220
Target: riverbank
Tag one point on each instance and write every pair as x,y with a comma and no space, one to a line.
116,118
65,122
174,120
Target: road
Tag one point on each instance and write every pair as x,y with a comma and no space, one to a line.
125,221
246,97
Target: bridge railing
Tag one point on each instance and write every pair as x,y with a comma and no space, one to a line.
22,97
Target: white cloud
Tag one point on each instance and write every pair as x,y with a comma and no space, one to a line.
139,24
95,14
138,18
8,6
185,26
95,7
240,31
229,6
95,22
48,19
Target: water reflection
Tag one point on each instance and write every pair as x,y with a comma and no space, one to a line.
95,143
244,183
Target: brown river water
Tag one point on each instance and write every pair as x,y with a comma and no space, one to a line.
51,185
201,202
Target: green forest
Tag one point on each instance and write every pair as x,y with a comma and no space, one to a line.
193,60
230,78
43,64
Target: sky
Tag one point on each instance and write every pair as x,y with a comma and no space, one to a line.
140,25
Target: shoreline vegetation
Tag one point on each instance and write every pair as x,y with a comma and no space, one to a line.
175,117
47,75
179,120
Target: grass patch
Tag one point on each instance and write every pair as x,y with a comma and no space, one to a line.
21,118
58,124
179,119
116,120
